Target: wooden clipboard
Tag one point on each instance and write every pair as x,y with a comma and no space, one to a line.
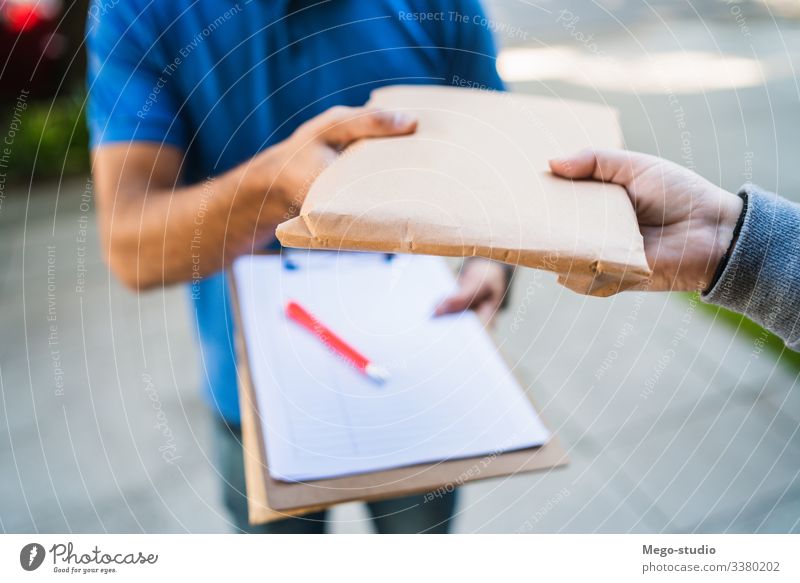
269,499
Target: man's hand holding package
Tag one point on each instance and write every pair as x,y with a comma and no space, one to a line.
156,232
291,166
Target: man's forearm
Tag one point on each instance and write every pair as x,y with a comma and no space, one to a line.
155,233
175,235
762,277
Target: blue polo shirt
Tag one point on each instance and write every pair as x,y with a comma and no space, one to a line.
223,80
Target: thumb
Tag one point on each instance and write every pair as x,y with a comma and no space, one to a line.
614,166
346,125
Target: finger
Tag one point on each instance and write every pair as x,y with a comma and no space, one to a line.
458,302
343,126
611,165
471,294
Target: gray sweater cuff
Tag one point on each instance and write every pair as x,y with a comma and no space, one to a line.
762,278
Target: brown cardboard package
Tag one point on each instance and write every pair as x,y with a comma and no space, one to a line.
474,181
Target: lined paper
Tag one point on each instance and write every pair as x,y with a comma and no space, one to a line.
450,394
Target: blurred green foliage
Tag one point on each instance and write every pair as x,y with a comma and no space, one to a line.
52,141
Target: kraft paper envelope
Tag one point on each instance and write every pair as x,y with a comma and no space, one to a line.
474,181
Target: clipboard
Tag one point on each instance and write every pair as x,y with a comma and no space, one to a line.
269,499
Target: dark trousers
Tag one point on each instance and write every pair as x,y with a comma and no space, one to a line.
410,514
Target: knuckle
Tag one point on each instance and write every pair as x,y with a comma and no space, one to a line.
338,113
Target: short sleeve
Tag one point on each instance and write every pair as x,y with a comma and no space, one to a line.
129,94
473,61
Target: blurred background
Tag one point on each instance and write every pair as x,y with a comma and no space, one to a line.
677,417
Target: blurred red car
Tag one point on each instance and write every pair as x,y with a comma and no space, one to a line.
35,45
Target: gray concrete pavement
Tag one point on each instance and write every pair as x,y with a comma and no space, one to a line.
673,421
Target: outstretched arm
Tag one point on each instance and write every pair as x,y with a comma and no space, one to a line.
156,231
742,252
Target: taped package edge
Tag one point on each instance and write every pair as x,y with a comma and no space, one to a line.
602,279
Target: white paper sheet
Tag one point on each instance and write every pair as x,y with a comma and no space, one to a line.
450,394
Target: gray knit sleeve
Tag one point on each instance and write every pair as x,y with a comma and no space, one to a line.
762,277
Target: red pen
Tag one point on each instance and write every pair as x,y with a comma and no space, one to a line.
299,314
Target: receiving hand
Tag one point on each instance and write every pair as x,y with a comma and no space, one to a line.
687,222
482,286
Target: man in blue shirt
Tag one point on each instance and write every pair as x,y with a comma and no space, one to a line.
210,118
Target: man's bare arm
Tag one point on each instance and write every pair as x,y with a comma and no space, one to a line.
156,232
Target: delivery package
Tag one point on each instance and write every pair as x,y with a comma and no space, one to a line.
474,180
